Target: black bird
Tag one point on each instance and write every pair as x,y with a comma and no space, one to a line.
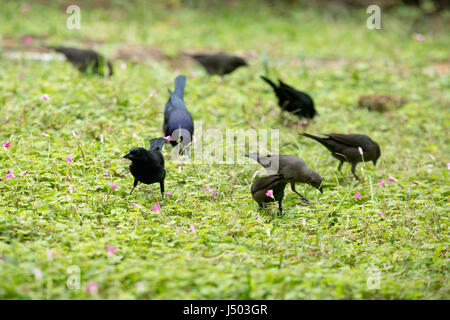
344,147
177,117
293,169
86,60
293,100
219,63
260,187
147,166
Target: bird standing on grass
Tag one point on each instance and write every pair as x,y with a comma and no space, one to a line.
219,63
293,169
262,185
85,60
351,148
292,100
177,117
147,166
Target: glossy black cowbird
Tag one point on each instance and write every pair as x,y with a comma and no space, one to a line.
345,148
177,120
260,187
219,63
147,166
86,60
293,100
293,169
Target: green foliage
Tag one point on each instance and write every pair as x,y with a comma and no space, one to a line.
230,255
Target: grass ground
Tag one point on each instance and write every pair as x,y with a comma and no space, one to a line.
124,250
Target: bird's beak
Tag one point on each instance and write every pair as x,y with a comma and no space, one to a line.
128,156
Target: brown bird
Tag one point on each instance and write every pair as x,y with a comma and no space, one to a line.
260,187
345,148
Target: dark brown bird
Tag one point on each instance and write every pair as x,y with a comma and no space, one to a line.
219,63
344,147
86,60
260,187
293,169
293,100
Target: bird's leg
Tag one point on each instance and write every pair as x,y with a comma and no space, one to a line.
293,189
134,186
354,169
161,186
340,165
280,207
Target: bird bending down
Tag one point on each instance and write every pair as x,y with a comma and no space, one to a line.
260,187
344,147
86,60
219,63
293,100
147,166
293,169
177,119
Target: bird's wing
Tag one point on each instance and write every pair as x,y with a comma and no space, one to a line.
266,182
350,140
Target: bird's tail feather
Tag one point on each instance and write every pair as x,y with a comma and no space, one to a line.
273,85
157,144
180,84
318,139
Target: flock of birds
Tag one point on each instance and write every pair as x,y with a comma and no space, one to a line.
147,165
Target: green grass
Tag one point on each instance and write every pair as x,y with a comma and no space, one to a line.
328,53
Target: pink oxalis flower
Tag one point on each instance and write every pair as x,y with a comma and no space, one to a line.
357,195
28,39
102,138
213,191
10,174
360,150
68,178
156,207
392,179
448,165
113,186
419,37
415,182
44,134
304,221
269,193
416,227
45,97
92,287
430,156
168,193
25,172
168,138
6,145
70,189
192,227
111,249
380,214
123,66
69,159
382,183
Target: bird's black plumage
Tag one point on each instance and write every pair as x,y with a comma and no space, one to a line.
177,117
293,169
293,100
219,63
86,60
344,147
260,187
147,166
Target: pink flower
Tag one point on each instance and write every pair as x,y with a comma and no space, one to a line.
105,174
6,145
70,189
360,150
304,221
28,39
213,191
194,139
191,75
136,205
156,207
69,159
448,165
123,66
207,187
25,172
74,133
404,118
382,183
168,193
191,226
168,138
111,249
44,134
419,37
68,178
415,182
45,97
153,93
268,232
357,195
416,227
380,214
92,287
430,156
102,138
392,179
269,193
20,75
257,217
113,186
134,135
10,174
